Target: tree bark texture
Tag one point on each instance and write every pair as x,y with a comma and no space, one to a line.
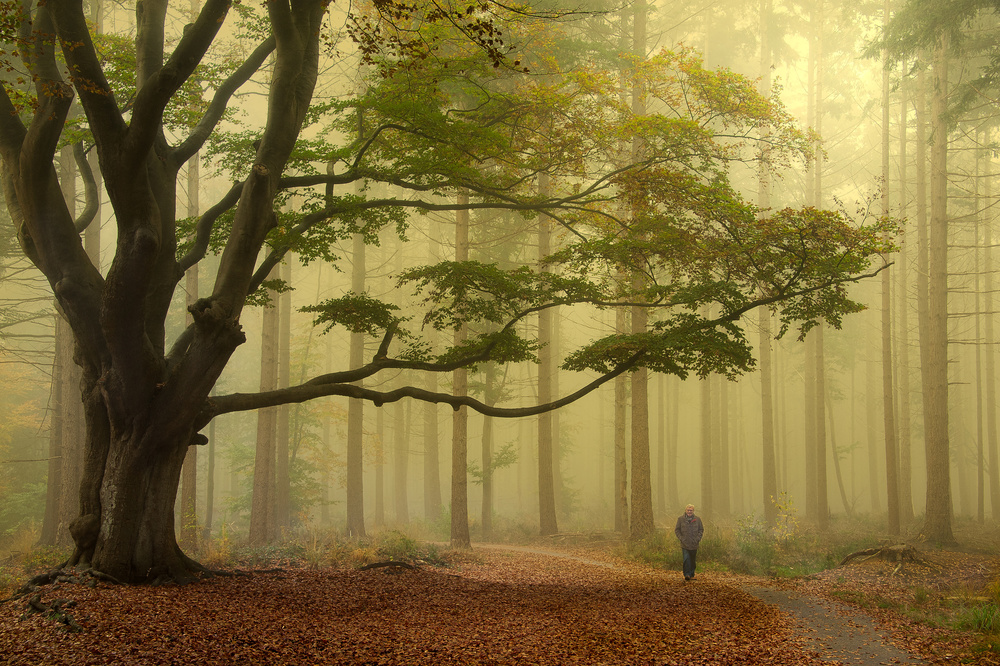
937,521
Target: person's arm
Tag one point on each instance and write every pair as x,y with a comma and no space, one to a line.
677,529
701,529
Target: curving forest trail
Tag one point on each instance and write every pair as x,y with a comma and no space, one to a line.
502,605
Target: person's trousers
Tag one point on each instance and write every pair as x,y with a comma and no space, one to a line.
690,562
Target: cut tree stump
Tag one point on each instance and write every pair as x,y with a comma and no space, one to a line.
899,553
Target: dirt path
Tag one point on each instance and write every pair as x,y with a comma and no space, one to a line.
835,632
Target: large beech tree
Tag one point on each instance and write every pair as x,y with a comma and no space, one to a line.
146,398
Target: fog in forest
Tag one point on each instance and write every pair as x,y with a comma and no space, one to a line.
875,144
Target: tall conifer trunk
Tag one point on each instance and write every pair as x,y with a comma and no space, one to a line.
460,537
938,517
888,405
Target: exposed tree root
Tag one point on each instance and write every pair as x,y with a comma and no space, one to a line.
87,576
584,537
390,563
54,610
898,553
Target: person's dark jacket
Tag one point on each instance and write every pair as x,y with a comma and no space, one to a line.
689,531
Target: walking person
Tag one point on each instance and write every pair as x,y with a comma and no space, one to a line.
689,531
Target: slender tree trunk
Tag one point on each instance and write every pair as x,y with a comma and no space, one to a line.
282,472
723,481
355,411
707,471
262,511
621,464
977,244
641,520
51,526
326,447
809,412
431,431
379,465
673,423
836,457
189,475
547,521
487,452
661,445
872,422
938,517
460,417
206,530
903,330
355,407
822,490
991,386
888,391
769,476
401,463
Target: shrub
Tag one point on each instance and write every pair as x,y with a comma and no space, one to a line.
755,546
984,619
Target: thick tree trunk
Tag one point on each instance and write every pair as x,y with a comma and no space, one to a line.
134,538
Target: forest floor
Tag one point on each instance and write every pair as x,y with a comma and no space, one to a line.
510,605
